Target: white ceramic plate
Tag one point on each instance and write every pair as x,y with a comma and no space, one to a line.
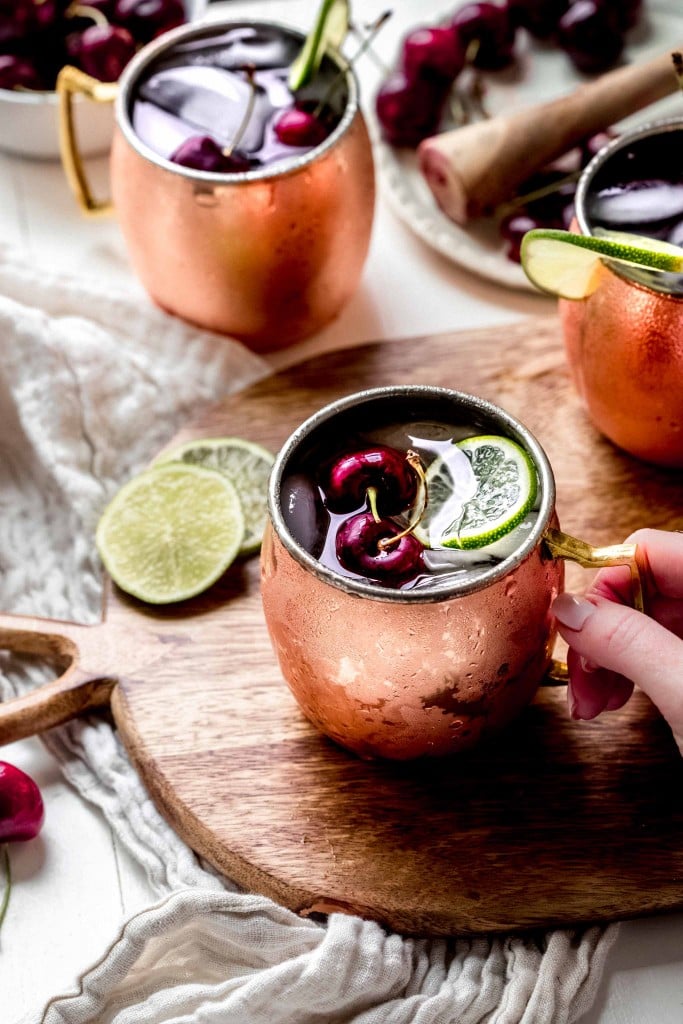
539,72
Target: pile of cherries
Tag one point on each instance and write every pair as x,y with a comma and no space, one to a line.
372,484
411,101
38,37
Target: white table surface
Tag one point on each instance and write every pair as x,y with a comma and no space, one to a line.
74,885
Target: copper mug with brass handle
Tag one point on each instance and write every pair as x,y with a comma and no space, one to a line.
429,671
269,255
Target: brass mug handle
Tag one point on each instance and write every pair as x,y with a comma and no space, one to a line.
562,545
70,82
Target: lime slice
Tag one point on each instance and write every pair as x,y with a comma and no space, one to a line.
566,264
329,29
246,464
478,491
171,532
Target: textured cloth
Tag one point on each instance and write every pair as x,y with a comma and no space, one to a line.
92,384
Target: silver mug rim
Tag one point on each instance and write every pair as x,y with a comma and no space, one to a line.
461,587
660,283
281,168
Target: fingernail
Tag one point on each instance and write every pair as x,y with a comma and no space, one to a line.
573,612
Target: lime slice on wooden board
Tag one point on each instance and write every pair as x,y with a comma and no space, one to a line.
567,264
329,30
171,532
477,493
246,464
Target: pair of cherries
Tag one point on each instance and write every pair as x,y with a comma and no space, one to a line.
368,543
296,126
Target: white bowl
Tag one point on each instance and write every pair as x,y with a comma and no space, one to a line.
29,121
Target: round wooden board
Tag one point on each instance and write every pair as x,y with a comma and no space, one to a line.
557,822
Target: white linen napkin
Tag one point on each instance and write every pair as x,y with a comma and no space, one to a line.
92,385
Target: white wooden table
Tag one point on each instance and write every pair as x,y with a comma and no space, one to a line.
75,884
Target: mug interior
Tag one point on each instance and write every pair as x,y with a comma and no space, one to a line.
381,407
650,152
343,98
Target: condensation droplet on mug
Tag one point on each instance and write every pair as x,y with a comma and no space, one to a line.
205,197
510,588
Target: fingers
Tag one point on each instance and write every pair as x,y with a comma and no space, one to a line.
660,559
628,643
592,690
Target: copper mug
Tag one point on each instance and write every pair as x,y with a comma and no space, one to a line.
406,673
269,255
624,342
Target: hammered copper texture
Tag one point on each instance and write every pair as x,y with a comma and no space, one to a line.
624,344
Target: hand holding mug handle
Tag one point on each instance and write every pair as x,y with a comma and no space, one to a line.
613,646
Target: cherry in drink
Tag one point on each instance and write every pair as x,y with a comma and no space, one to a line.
411,504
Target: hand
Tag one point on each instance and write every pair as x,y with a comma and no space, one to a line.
613,646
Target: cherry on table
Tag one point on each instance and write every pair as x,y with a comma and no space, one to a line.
202,153
492,28
358,549
21,806
431,52
380,467
19,73
297,127
146,19
101,50
410,110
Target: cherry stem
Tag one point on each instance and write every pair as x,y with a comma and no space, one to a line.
249,71
415,463
537,193
332,88
372,499
76,10
377,60
8,883
677,59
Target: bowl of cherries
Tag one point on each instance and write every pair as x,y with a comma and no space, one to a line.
38,37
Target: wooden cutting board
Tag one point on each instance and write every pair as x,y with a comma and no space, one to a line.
557,822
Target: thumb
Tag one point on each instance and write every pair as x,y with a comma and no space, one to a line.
624,640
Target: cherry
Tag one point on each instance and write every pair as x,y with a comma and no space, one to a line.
592,146
101,50
589,35
513,230
431,52
539,17
296,127
21,806
409,111
382,468
626,13
492,28
18,73
17,19
146,19
359,549
202,153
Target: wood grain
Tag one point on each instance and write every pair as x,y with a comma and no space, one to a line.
558,822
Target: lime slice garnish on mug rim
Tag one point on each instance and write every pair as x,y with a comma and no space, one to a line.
567,264
329,29
473,506
171,532
246,464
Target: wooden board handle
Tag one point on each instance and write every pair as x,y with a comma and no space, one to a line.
75,691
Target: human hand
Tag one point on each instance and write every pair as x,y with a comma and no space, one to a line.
612,646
